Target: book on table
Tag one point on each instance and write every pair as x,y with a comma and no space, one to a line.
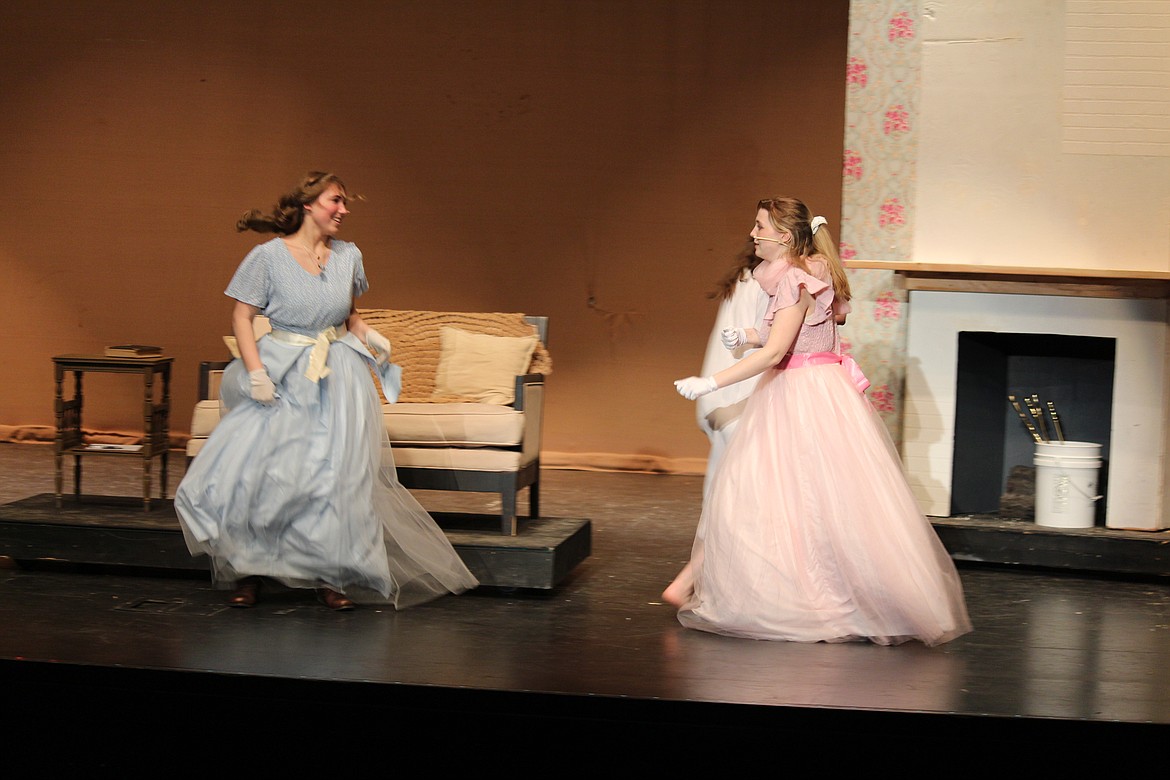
99,447
133,350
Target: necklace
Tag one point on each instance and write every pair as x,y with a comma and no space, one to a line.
313,256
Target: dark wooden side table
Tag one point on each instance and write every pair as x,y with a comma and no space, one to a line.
155,417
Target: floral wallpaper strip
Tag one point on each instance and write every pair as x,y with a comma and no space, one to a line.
878,173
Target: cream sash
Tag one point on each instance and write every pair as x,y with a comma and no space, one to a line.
317,369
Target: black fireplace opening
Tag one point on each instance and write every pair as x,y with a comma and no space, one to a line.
1074,372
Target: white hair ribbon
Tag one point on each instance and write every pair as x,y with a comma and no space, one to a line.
817,222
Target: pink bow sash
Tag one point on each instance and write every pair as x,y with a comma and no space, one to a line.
802,359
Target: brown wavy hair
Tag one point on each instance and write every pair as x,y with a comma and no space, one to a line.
289,213
792,215
746,260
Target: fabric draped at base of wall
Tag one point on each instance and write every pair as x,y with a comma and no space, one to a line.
569,461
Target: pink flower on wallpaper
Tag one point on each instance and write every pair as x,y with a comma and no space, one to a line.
897,120
846,346
856,72
901,26
893,213
852,166
847,251
881,398
888,307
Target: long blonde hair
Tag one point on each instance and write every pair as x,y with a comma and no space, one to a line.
793,216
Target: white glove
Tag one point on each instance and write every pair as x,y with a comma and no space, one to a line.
733,337
263,390
694,386
378,345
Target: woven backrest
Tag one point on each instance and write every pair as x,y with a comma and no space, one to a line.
414,343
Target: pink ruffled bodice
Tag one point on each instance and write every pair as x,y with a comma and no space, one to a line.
783,283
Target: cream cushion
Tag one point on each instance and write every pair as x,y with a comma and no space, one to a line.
427,425
460,425
204,419
479,367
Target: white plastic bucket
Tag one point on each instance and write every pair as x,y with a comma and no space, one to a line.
1066,483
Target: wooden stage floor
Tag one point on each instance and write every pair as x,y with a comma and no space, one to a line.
104,667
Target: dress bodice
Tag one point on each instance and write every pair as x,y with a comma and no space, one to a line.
271,279
783,282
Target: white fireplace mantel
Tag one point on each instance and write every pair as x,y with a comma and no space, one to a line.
1009,280
1132,309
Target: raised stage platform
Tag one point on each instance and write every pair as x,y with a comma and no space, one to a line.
116,531
1009,542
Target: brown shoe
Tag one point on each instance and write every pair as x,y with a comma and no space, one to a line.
338,602
246,594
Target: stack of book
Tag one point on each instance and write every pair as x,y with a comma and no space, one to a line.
133,350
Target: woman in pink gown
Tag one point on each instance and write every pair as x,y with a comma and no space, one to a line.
809,531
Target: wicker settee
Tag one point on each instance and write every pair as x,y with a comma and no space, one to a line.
471,409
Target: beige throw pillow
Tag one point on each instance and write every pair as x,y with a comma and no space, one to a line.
480,367
260,326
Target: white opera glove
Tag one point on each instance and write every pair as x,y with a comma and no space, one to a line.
378,345
263,390
694,386
733,337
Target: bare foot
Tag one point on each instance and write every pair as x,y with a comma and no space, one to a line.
675,596
679,592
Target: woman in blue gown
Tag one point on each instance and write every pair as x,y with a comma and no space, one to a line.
297,481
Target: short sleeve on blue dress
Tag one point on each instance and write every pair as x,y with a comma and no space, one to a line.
252,279
360,285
